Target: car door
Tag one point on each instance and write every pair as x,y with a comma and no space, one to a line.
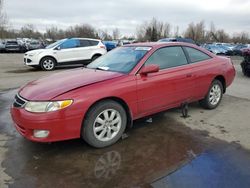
67,52
169,87
202,67
84,51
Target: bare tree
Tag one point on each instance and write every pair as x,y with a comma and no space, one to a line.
153,30
196,31
116,34
242,37
104,35
29,31
52,33
3,21
176,31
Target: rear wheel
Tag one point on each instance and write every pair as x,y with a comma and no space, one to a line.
214,95
48,63
104,124
95,57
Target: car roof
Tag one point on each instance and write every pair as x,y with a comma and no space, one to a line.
157,45
161,44
85,39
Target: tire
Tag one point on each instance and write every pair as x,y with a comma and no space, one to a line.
48,63
95,57
99,128
214,96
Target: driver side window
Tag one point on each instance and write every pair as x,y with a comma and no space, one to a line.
168,57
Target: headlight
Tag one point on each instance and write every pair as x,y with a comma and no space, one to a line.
47,106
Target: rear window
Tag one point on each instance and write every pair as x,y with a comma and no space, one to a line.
84,43
196,55
12,42
93,42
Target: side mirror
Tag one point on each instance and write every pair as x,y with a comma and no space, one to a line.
149,69
58,48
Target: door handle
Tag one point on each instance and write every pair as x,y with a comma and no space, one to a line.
189,75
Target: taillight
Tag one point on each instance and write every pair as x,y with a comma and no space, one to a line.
104,47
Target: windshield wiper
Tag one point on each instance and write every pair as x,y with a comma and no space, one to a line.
102,68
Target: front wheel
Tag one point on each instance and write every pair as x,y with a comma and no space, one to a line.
104,124
214,95
48,64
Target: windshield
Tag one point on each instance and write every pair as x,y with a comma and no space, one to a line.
122,59
55,44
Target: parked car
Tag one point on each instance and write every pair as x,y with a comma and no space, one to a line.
65,51
228,45
12,46
98,102
227,50
178,39
215,49
245,64
237,49
110,45
2,46
34,45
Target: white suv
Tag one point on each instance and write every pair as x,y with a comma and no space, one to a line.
65,51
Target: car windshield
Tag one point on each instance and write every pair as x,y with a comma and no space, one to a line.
122,59
55,44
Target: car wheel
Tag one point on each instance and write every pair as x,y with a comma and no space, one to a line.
95,57
48,63
214,95
104,124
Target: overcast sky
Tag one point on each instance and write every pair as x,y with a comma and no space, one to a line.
231,15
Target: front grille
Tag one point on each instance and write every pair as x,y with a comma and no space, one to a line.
21,129
19,102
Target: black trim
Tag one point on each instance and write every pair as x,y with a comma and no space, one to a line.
83,62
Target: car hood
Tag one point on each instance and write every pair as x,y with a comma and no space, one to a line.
35,51
47,88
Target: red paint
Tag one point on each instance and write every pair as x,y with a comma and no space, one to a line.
144,94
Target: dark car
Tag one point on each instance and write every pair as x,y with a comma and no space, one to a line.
245,65
178,39
237,49
12,46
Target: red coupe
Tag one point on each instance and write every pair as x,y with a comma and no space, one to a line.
99,101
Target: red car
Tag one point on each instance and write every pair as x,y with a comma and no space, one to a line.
98,102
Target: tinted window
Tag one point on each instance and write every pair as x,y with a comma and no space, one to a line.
84,43
71,43
93,42
196,55
168,57
12,42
